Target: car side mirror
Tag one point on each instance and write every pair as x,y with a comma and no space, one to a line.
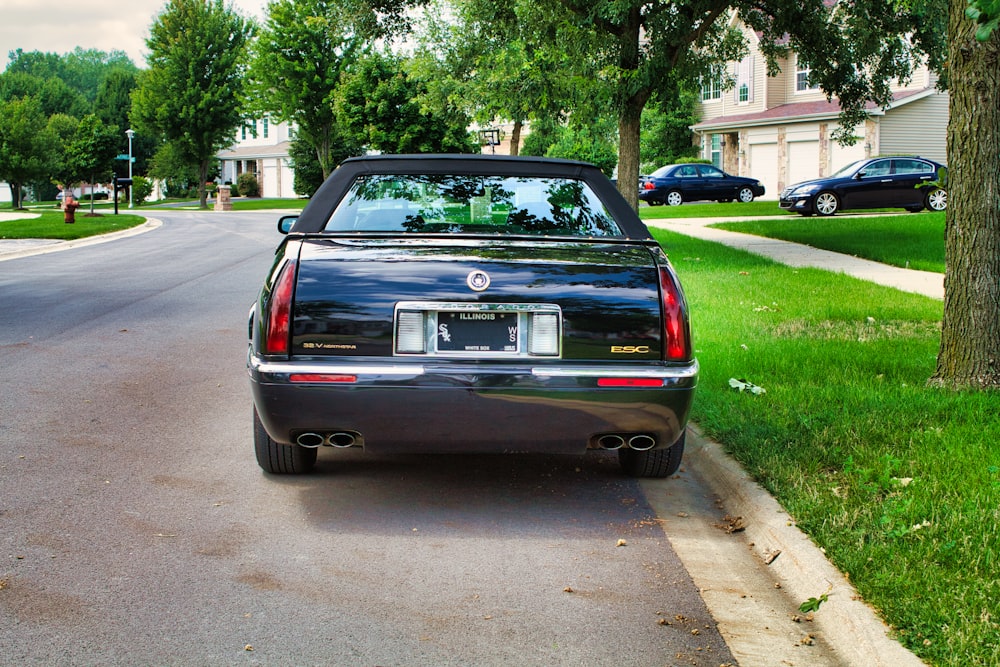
859,175
286,222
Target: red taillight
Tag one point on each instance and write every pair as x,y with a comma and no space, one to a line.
279,312
629,382
322,378
676,334
648,185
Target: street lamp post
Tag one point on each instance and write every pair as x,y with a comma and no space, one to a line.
131,133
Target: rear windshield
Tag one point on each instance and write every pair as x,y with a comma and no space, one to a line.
472,204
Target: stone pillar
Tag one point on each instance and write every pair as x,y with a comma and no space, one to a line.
223,198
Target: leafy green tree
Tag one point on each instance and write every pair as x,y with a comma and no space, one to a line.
495,63
381,105
114,106
52,92
298,59
666,135
86,69
190,95
545,132
306,167
62,128
91,154
591,142
82,71
26,144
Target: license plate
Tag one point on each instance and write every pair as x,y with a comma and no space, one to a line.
477,332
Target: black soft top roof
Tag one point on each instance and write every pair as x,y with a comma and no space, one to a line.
315,215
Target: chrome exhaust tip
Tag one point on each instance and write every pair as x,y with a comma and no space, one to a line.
611,441
341,440
310,440
641,443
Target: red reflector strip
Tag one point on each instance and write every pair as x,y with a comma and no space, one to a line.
629,382
324,378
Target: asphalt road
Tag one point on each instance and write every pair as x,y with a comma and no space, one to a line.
136,527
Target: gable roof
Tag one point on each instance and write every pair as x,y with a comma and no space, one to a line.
801,111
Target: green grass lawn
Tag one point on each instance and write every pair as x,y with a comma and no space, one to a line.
910,240
713,210
51,225
898,483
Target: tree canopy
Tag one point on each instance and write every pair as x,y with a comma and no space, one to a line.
298,59
380,102
191,94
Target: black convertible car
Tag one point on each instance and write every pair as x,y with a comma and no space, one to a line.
446,304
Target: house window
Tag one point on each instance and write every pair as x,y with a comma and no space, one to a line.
715,150
711,90
244,137
266,124
802,77
744,81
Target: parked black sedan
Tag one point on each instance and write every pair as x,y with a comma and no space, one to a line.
909,182
678,183
448,304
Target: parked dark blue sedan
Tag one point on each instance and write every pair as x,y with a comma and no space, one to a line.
909,182
678,183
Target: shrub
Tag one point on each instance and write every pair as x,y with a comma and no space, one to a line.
141,189
247,185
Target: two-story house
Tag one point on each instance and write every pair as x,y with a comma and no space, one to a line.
779,129
261,148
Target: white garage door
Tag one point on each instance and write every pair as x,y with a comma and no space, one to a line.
764,167
841,156
803,161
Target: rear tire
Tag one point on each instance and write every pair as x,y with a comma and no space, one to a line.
279,459
652,462
936,200
673,198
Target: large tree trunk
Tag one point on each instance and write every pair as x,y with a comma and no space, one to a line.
628,149
202,189
630,110
970,338
515,138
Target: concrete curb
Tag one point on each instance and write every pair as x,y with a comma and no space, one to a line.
852,628
14,249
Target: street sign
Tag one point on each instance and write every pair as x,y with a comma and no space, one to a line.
123,156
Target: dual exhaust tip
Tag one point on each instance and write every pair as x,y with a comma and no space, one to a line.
640,442
340,439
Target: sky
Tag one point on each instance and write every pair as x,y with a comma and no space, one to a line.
59,27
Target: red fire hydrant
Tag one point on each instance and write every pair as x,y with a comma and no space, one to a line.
69,209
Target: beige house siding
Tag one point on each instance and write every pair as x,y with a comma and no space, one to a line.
906,130
778,86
